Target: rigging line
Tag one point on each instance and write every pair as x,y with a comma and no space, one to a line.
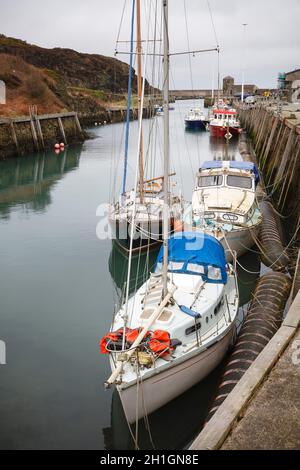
196,51
188,44
135,190
120,26
128,100
213,23
182,117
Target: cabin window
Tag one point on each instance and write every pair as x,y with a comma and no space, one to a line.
173,266
158,267
217,308
214,273
195,268
220,116
239,181
192,329
204,181
216,116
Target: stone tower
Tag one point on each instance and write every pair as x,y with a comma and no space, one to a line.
228,85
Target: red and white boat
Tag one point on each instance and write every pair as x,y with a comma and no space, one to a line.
224,122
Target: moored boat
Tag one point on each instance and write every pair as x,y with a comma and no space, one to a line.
196,120
224,122
224,204
169,345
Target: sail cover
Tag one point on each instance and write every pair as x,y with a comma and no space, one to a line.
196,253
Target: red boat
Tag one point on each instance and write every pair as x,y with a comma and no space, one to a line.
224,123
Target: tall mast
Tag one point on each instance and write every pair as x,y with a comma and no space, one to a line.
166,147
140,111
243,72
218,50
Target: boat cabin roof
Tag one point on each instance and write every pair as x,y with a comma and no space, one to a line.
230,165
225,111
196,253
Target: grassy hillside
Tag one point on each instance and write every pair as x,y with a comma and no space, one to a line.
59,79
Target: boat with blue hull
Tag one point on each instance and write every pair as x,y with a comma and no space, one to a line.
196,120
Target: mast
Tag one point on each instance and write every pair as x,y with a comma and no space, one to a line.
140,110
218,50
243,73
166,146
128,100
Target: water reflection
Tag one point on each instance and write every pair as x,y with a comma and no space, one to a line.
28,180
140,268
221,149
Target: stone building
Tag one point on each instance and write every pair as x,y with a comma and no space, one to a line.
292,85
230,89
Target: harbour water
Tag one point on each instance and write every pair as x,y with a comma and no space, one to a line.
59,285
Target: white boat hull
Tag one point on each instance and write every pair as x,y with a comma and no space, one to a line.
238,241
160,388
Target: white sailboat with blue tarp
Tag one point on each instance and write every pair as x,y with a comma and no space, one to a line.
171,343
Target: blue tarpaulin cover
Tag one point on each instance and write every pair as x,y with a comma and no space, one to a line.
214,165
196,248
211,165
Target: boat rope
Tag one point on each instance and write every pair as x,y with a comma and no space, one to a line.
120,25
213,23
188,46
128,99
146,419
233,255
137,403
136,182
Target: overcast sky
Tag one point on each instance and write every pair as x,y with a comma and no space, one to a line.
270,45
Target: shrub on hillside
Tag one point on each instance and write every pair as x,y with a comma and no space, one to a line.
36,87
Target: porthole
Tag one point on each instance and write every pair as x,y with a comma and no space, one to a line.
192,329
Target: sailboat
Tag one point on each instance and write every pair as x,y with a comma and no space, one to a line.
179,324
148,201
224,204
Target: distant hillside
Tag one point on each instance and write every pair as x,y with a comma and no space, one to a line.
57,79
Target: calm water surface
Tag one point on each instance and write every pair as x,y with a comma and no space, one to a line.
59,285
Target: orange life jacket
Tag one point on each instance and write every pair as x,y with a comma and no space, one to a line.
160,343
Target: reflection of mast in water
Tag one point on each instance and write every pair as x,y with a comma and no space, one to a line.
223,149
142,264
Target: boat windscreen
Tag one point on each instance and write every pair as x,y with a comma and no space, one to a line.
239,181
212,180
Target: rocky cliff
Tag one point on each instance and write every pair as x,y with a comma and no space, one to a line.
59,79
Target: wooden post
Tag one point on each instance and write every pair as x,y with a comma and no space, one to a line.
266,153
34,135
14,136
77,123
284,158
62,130
39,131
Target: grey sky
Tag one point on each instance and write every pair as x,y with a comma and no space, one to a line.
271,43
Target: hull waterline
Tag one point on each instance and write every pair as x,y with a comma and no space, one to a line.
159,389
220,131
196,125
